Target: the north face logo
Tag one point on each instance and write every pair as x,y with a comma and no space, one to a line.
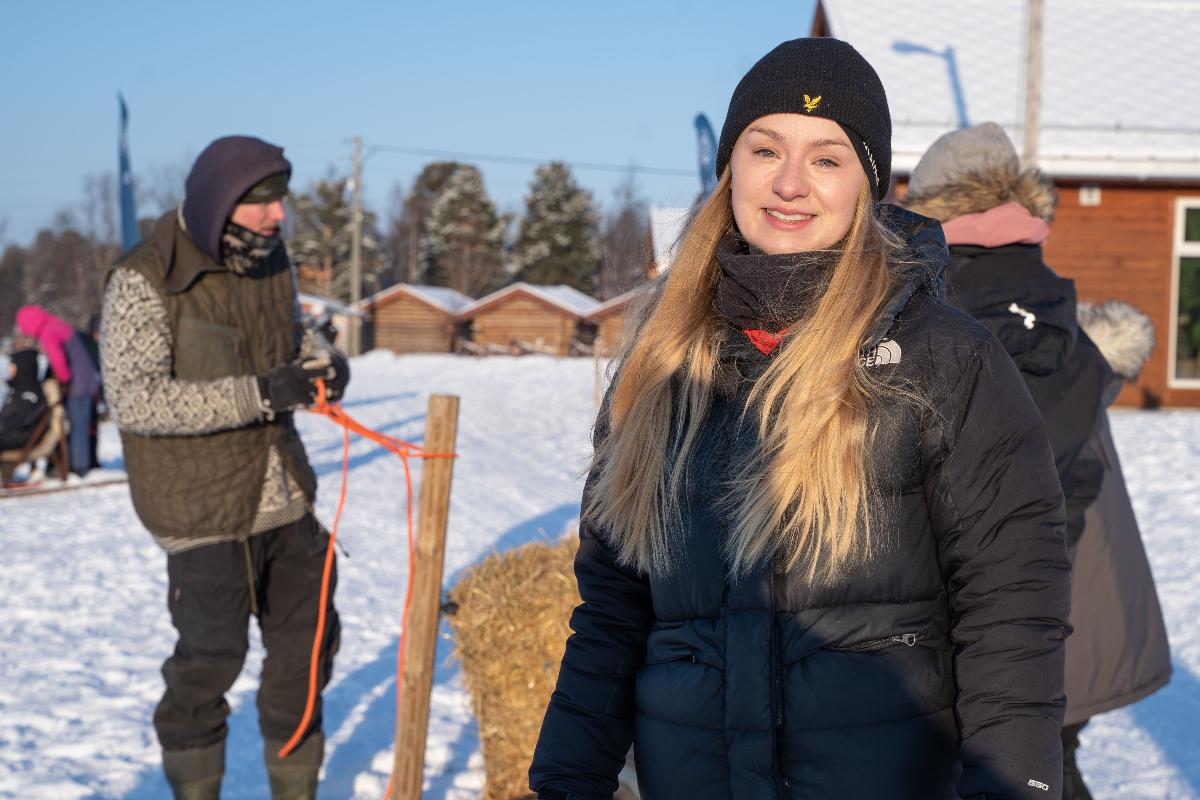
886,352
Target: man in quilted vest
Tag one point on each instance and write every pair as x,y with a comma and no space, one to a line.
204,361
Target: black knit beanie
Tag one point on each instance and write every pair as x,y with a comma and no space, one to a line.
222,174
818,77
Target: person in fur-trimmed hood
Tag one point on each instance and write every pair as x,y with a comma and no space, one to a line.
996,216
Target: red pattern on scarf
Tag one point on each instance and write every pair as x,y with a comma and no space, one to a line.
765,341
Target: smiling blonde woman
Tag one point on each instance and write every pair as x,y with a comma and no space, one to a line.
821,547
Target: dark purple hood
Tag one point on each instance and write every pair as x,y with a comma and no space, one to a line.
223,173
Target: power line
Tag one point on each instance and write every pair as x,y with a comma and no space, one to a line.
1115,127
500,159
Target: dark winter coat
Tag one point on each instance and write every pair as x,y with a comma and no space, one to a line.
1031,311
933,671
1118,652
25,404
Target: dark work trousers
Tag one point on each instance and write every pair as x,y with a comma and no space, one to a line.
81,411
209,600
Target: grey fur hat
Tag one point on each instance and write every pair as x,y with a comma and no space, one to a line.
974,169
979,148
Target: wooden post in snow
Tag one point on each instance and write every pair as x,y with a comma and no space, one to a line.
412,715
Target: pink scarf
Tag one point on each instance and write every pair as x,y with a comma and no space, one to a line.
1009,223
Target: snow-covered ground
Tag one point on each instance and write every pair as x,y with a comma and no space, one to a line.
84,626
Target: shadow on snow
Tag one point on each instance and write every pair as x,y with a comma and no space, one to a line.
245,776
1169,716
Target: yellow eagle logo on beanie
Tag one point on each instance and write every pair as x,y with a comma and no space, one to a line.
810,103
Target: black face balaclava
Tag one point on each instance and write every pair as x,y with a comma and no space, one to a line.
242,249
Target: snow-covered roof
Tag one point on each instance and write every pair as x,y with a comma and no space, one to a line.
326,303
568,298
440,297
1119,78
666,224
616,304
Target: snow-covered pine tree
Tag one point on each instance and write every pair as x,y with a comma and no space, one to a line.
465,235
557,238
320,240
406,242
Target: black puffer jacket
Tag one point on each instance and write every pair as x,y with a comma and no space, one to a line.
932,672
1032,312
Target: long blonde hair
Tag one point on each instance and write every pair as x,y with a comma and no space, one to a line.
805,497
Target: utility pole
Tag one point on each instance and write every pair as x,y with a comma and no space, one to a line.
356,252
1033,80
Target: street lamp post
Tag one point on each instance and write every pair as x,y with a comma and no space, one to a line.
947,55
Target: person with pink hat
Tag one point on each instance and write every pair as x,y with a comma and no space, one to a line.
74,369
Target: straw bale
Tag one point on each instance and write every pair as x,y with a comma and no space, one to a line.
510,616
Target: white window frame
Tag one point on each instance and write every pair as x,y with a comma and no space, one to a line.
1179,250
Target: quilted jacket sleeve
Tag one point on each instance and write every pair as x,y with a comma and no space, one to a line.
588,726
997,508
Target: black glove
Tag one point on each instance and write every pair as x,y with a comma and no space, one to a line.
335,387
290,386
331,367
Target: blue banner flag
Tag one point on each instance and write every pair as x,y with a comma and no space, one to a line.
129,225
707,145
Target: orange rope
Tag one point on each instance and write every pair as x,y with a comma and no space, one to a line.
404,450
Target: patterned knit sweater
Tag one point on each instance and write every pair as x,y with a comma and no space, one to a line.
146,399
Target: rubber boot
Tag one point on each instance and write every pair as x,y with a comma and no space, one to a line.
294,777
195,774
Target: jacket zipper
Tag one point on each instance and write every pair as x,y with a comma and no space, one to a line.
781,781
906,639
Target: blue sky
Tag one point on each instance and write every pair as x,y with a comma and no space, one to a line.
615,82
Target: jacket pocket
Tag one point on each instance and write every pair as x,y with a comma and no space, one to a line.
870,682
668,659
205,350
906,639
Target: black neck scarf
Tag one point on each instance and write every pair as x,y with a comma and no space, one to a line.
766,294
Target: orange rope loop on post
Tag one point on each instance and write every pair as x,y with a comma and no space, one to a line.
404,450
